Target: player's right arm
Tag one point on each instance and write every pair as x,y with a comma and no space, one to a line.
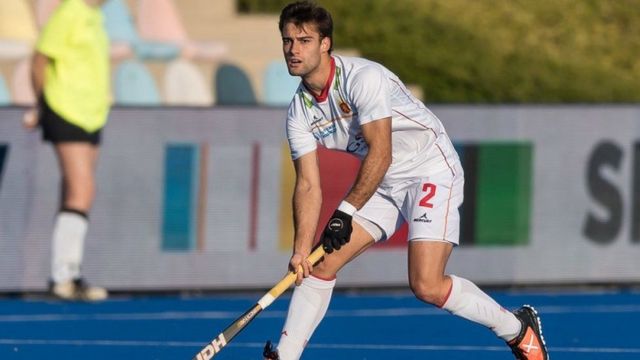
39,63
50,45
307,202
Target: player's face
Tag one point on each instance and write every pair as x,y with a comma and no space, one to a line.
303,48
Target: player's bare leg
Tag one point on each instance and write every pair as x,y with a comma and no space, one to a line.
311,299
332,263
77,162
427,263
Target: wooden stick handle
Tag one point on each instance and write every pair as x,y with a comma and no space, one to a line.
289,279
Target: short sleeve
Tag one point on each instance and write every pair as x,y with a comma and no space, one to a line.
53,38
370,94
300,137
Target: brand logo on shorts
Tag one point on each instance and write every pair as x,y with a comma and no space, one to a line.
422,218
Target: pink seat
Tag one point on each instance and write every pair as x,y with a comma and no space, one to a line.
44,9
120,51
159,20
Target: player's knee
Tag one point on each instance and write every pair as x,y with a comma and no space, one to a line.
324,270
429,291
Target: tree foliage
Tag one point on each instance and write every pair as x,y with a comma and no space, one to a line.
496,51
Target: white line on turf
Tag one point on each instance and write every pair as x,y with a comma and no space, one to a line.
381,347
204,315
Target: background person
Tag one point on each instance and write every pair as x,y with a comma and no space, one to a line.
70,74
410,172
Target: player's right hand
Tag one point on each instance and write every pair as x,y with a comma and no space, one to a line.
337,232
30,118
301,266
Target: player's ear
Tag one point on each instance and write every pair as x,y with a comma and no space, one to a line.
325,44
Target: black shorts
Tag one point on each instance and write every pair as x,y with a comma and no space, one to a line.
55,129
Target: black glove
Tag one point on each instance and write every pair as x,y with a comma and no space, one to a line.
337,232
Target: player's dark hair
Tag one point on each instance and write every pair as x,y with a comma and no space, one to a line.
308,12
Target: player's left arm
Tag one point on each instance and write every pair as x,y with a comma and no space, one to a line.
370,95
377,135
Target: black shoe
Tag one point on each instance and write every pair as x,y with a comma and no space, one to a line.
269,352
529,344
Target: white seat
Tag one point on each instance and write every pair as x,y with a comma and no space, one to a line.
185,85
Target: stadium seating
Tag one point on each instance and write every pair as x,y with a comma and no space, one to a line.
158,20
125,41
185,85
120,28
134,85
44,9
5,96
279,86
160,34
233,87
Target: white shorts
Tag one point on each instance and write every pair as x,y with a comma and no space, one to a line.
429,205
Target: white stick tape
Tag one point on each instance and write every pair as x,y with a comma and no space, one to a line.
266,301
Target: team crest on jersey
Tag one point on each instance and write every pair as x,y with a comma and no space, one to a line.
345,107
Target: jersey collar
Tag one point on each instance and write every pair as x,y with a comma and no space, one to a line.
327,86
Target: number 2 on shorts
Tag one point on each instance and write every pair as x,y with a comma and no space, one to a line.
430,189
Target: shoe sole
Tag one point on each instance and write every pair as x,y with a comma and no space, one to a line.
539,327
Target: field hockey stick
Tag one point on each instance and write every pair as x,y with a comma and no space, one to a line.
220,341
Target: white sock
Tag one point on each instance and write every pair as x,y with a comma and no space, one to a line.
468,301
69,231
308,306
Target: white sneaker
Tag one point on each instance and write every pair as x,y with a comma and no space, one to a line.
78,289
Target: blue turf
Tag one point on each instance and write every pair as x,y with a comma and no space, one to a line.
385,326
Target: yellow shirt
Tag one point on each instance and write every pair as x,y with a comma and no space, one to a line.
77,77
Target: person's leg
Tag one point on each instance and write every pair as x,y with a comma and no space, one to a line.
375,221
77,162
427,263
434,228
310,300
432,212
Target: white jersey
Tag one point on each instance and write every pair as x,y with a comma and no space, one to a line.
360,91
